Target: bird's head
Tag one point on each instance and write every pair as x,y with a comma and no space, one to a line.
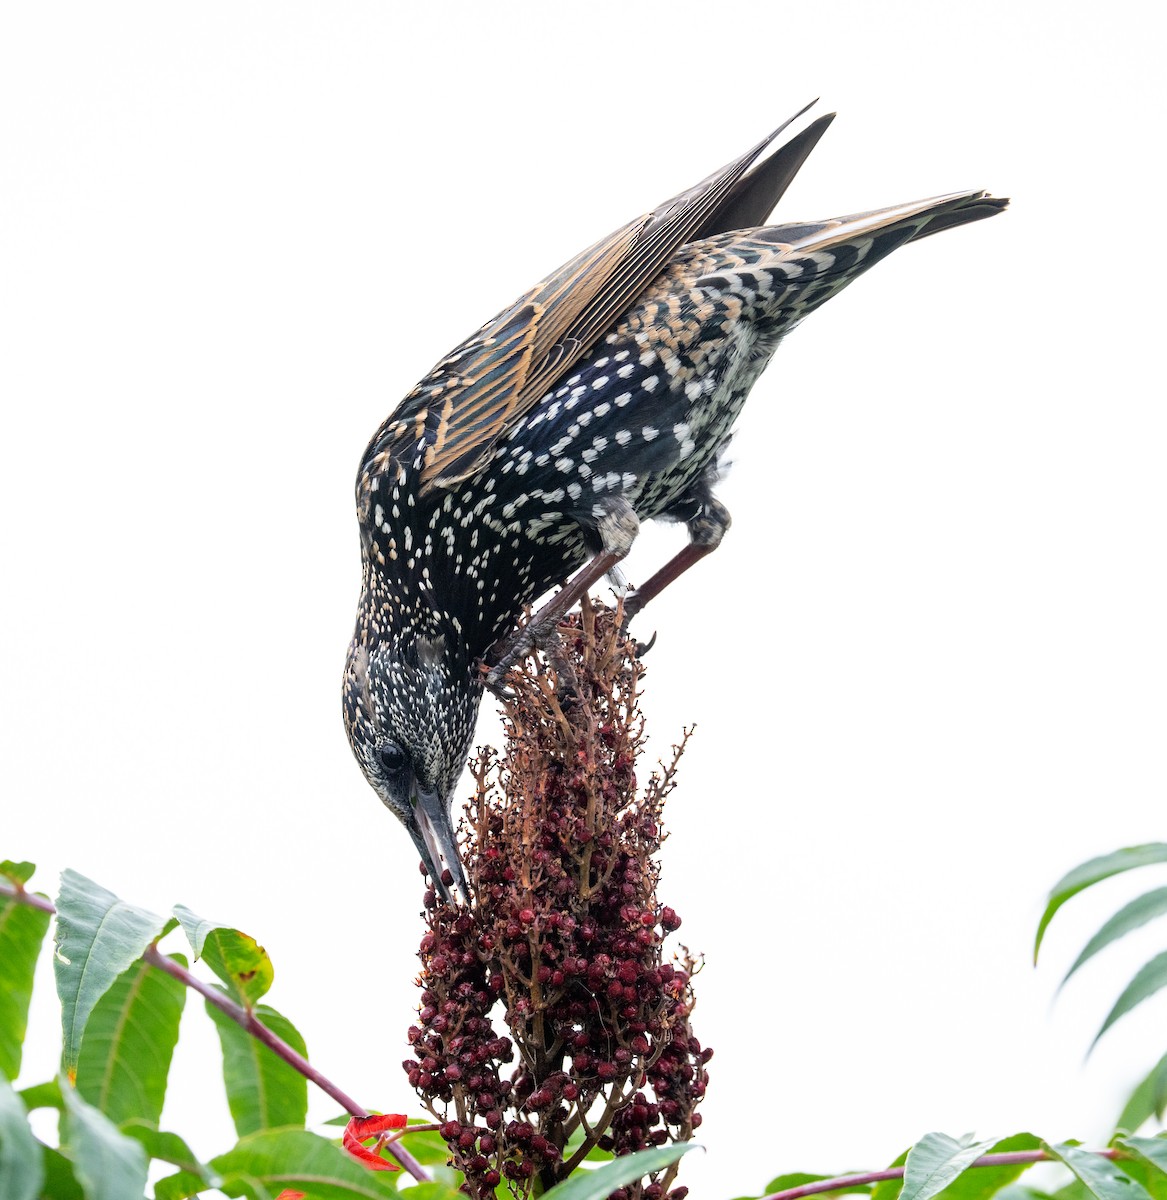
410,708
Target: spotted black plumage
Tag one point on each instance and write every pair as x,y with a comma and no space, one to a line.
600,399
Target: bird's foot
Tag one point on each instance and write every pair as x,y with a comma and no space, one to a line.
510,650
631,604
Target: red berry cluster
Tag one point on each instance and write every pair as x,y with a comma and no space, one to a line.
563,944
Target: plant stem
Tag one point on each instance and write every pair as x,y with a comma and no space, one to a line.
246,1020
842,1183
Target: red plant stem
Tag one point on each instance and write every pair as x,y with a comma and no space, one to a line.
247,1021
30,898
845,1182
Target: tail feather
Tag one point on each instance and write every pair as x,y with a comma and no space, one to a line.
976,208
914,220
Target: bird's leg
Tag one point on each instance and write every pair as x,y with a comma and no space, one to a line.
617,527
706,530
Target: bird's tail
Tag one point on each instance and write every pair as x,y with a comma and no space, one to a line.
889,228
787,271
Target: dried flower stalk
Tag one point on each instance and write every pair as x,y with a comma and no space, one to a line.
563,944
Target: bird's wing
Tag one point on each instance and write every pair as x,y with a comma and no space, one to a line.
470,399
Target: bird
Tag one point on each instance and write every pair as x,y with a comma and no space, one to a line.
603,397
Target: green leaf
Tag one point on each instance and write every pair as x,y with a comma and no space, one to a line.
181,1186
1131,916
574,1142
238,960
1149,978
1147,1100
437,1189
986,1182
793,1179
266,1163
1151,1150
1075,1189
1092,872
1098,1175
42,1095
22,1165
889,1189
263,1091
1021,1191
935,1161
60,1178
98,936
1150,1177
166,1147
599,1183
129,1042
22,930
108,1165
19,872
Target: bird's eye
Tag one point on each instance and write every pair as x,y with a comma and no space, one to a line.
392,757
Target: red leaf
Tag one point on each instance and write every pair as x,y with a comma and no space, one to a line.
290,1194
360,1129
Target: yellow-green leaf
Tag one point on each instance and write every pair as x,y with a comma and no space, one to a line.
22,931
129,1041
263,1091
237,959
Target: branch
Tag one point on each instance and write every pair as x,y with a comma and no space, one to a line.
247,1021
843,1183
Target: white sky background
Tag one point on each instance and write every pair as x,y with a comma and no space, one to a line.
927,665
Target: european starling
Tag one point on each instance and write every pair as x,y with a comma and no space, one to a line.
601,398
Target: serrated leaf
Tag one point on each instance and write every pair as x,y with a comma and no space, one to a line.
237,959
1151,1150
294,1158
936,1161
986,1182
1092,872
129,1042
98,937
108,1165
22,1165
263,1091
1131,916
599,1183
1149,978
19,872
1148,1100
22,931
42,1095
1102,1178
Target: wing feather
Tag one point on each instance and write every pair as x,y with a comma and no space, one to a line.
470,400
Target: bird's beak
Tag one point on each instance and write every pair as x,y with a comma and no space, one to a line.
433,834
